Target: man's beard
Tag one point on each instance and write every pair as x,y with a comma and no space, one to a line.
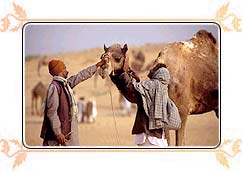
66,75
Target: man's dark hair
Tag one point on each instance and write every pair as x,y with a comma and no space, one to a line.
155,68
159,65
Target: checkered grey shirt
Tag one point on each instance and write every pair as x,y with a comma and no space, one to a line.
155,97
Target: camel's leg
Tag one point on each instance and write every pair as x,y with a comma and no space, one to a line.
180,134
35,107
32,105
41,107
167,137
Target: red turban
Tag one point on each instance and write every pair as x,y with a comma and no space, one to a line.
55,67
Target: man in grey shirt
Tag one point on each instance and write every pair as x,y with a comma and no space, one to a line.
60,125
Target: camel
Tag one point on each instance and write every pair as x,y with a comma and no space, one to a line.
193,66
138,61
39,91
43,61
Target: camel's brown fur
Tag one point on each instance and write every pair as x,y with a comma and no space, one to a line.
39,91
193,67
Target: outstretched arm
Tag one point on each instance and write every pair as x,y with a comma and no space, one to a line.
84,74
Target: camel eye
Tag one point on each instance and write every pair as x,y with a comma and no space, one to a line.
114,55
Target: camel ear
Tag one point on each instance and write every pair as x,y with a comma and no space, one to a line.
126,64
124,49
105,48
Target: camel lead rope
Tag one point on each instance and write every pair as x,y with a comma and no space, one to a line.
114,118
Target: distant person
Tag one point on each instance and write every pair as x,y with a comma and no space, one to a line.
60,117
81,109
94,110
91,110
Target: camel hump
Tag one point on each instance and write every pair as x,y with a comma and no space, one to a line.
40,84
39,88
206,34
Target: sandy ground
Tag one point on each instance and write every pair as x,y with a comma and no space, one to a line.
201,130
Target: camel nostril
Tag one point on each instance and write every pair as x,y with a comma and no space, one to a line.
117,60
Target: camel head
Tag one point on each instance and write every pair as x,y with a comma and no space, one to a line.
115,56
138,61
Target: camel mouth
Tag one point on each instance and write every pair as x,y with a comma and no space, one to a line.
116,57
105,70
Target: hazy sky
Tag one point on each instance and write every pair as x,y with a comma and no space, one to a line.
51,38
